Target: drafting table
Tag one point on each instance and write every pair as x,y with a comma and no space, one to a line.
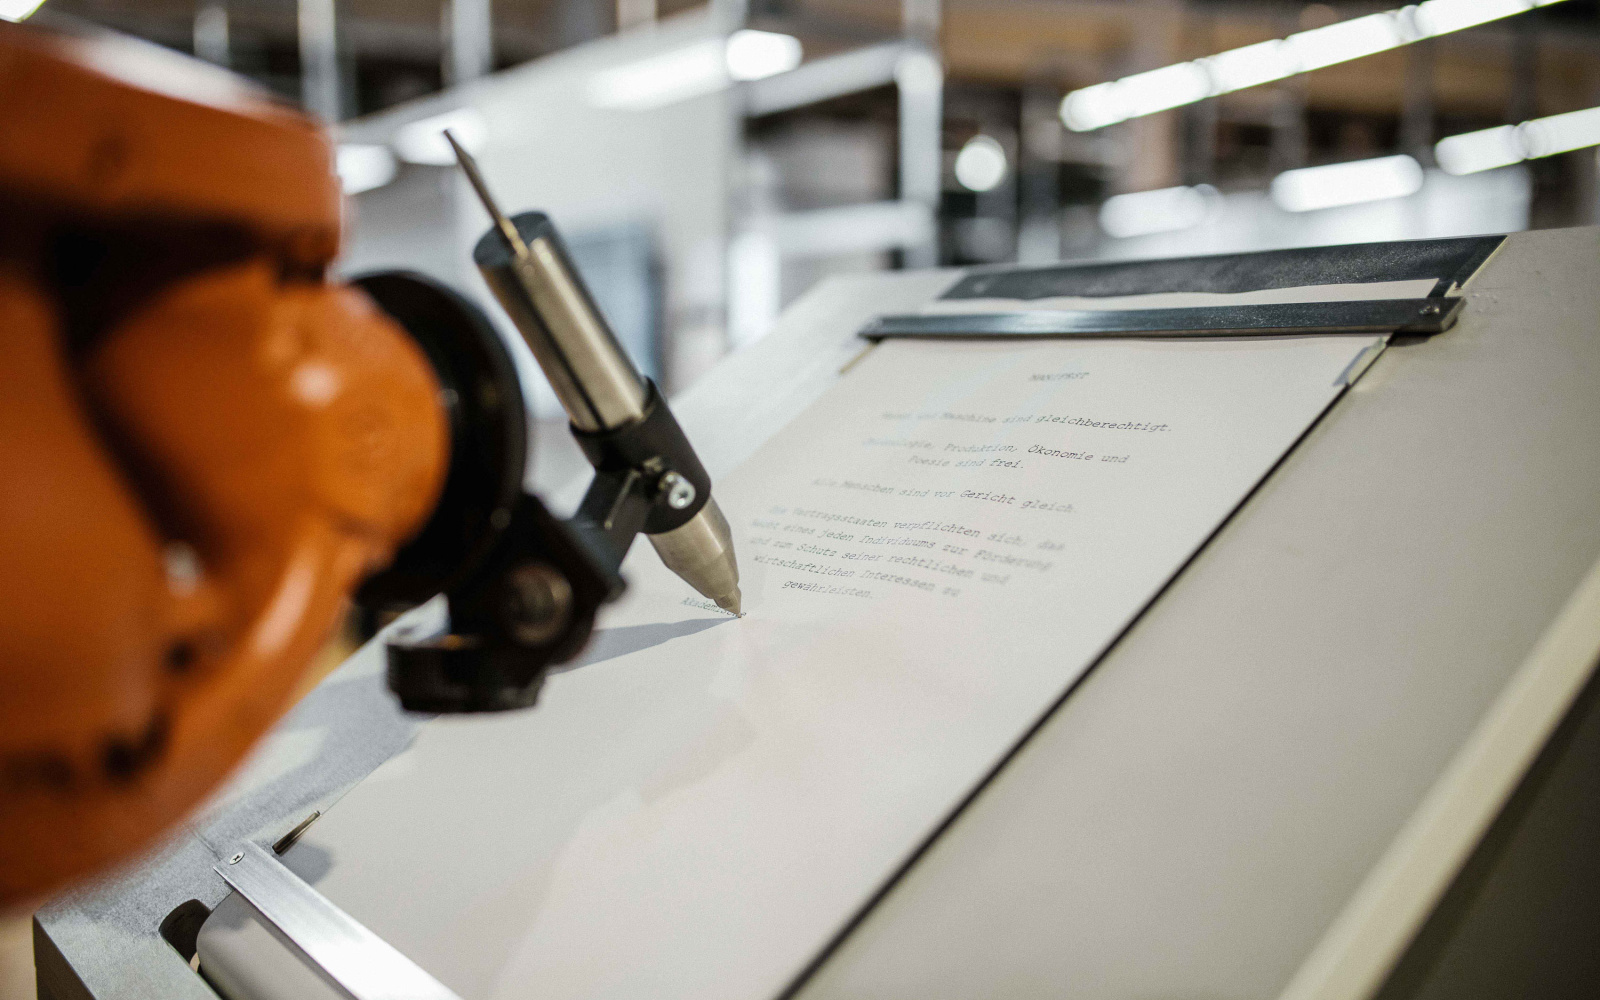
1254,794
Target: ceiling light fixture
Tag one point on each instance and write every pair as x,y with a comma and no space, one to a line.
1164,210
1311,188
1504,145
18,10
756,55
694,70
981,165
1185,83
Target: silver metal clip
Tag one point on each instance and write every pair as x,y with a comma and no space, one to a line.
363,964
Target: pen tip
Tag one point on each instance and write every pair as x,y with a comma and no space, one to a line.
731,602
455,147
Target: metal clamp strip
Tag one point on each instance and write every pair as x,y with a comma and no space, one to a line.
1409,316
360,962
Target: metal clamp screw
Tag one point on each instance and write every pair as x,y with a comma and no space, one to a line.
537,602
680,492
236,858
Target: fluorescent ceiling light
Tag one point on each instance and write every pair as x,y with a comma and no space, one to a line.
363,167
1561,133
1162,211
1092,107
695,70
1504,145
1184,83
1346,40
1440,17
423,141
756,55
1312,188
17,10
1483,150
1255,64
981,164
1160,89
1132,96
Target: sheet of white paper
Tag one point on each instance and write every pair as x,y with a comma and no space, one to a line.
1411,289
931,553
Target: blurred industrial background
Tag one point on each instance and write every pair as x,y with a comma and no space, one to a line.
711,162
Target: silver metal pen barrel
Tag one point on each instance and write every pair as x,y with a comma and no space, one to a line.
530,273
591,375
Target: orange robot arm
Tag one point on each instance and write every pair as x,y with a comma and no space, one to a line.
206,445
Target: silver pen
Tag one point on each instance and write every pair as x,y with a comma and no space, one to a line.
530,273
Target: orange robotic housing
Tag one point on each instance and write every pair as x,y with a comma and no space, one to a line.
206,445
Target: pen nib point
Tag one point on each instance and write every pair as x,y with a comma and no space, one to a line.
731,602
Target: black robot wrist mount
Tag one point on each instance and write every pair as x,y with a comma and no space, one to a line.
522,585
